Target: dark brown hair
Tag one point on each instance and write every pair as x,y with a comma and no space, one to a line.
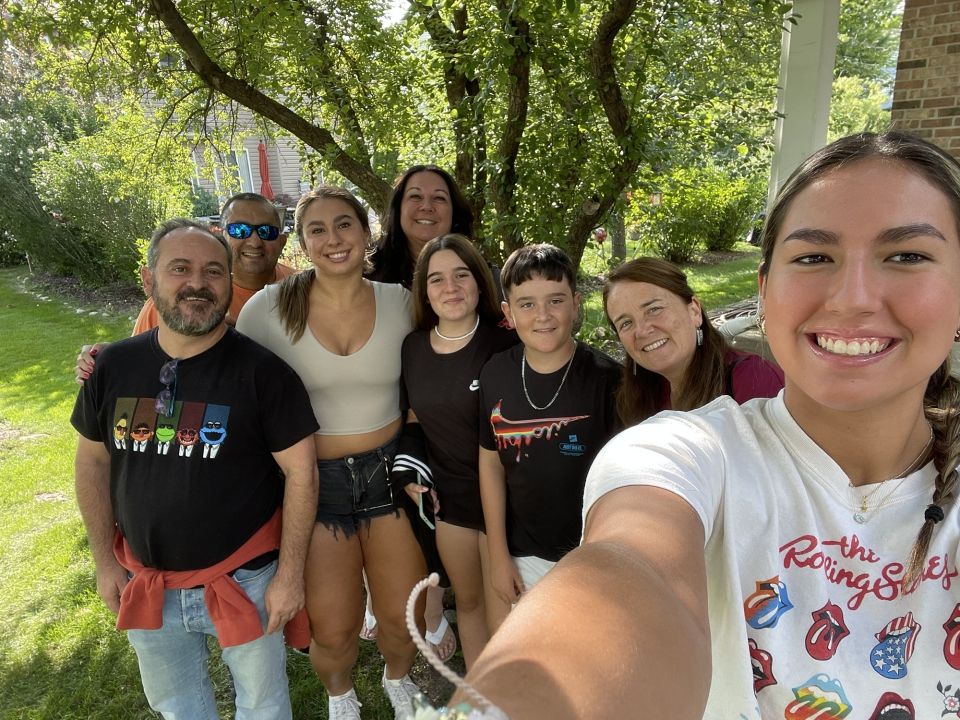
942,397
641,390
293,298
544,261
424,317
392,260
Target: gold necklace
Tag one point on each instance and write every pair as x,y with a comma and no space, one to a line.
863,513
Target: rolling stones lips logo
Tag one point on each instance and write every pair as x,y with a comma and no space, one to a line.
828,629
820,698
893,707
890,656
951,645
762,663
765,606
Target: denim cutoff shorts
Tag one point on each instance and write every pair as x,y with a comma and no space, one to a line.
356,488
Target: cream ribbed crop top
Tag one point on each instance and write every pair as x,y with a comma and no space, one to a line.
350,394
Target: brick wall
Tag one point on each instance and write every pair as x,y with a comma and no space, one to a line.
926,96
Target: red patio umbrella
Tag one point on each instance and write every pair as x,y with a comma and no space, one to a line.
265,188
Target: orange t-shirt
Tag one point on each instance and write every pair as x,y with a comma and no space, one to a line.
149,318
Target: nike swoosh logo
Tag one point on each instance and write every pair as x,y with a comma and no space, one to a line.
475,385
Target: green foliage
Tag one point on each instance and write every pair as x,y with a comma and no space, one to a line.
868,39
707,208
857,105
10,252
109,190
35,122
203,203
545,111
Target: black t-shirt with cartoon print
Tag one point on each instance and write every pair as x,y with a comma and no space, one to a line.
546,453
189,488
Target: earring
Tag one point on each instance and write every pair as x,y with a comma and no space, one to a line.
699,337
634,368
956,335
761,322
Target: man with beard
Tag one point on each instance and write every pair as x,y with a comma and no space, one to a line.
253,228
190,544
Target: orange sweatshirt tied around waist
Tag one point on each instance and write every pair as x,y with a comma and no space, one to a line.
233,613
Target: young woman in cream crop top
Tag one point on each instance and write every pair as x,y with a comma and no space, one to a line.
343,335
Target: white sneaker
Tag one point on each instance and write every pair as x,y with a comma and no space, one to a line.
344,707
401,693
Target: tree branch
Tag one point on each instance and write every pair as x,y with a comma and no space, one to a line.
628,137
374,189
518,96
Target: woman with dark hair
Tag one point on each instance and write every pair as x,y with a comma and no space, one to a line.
457,329
675,358
794,556
426,203
342,334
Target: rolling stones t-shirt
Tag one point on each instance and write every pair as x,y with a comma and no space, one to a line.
809,615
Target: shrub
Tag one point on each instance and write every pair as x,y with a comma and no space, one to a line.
204,203
10,253
111,189
700,208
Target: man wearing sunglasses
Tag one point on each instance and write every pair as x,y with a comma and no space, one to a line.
184,520
253,229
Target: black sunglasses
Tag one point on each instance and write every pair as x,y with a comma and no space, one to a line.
164,401
242,230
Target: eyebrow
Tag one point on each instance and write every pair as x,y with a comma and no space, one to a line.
419,189
454,269
546,297
890,235
338,218
647,304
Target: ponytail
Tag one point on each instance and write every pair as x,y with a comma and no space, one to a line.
293,303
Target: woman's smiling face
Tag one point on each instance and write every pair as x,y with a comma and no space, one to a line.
862,290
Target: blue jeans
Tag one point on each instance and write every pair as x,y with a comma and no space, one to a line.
173,659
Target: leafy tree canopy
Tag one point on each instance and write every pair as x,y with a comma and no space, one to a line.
545,110
868,39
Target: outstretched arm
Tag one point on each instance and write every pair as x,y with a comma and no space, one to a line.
285,594
618,628
92,483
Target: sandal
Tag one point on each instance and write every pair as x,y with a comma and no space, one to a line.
442,640
369,629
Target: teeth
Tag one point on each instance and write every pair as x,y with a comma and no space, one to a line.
337,256
851,347
426,222
654,345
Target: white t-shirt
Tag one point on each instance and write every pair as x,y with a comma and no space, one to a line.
806,605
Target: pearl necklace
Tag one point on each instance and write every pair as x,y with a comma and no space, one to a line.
863,514
436,329
523,379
